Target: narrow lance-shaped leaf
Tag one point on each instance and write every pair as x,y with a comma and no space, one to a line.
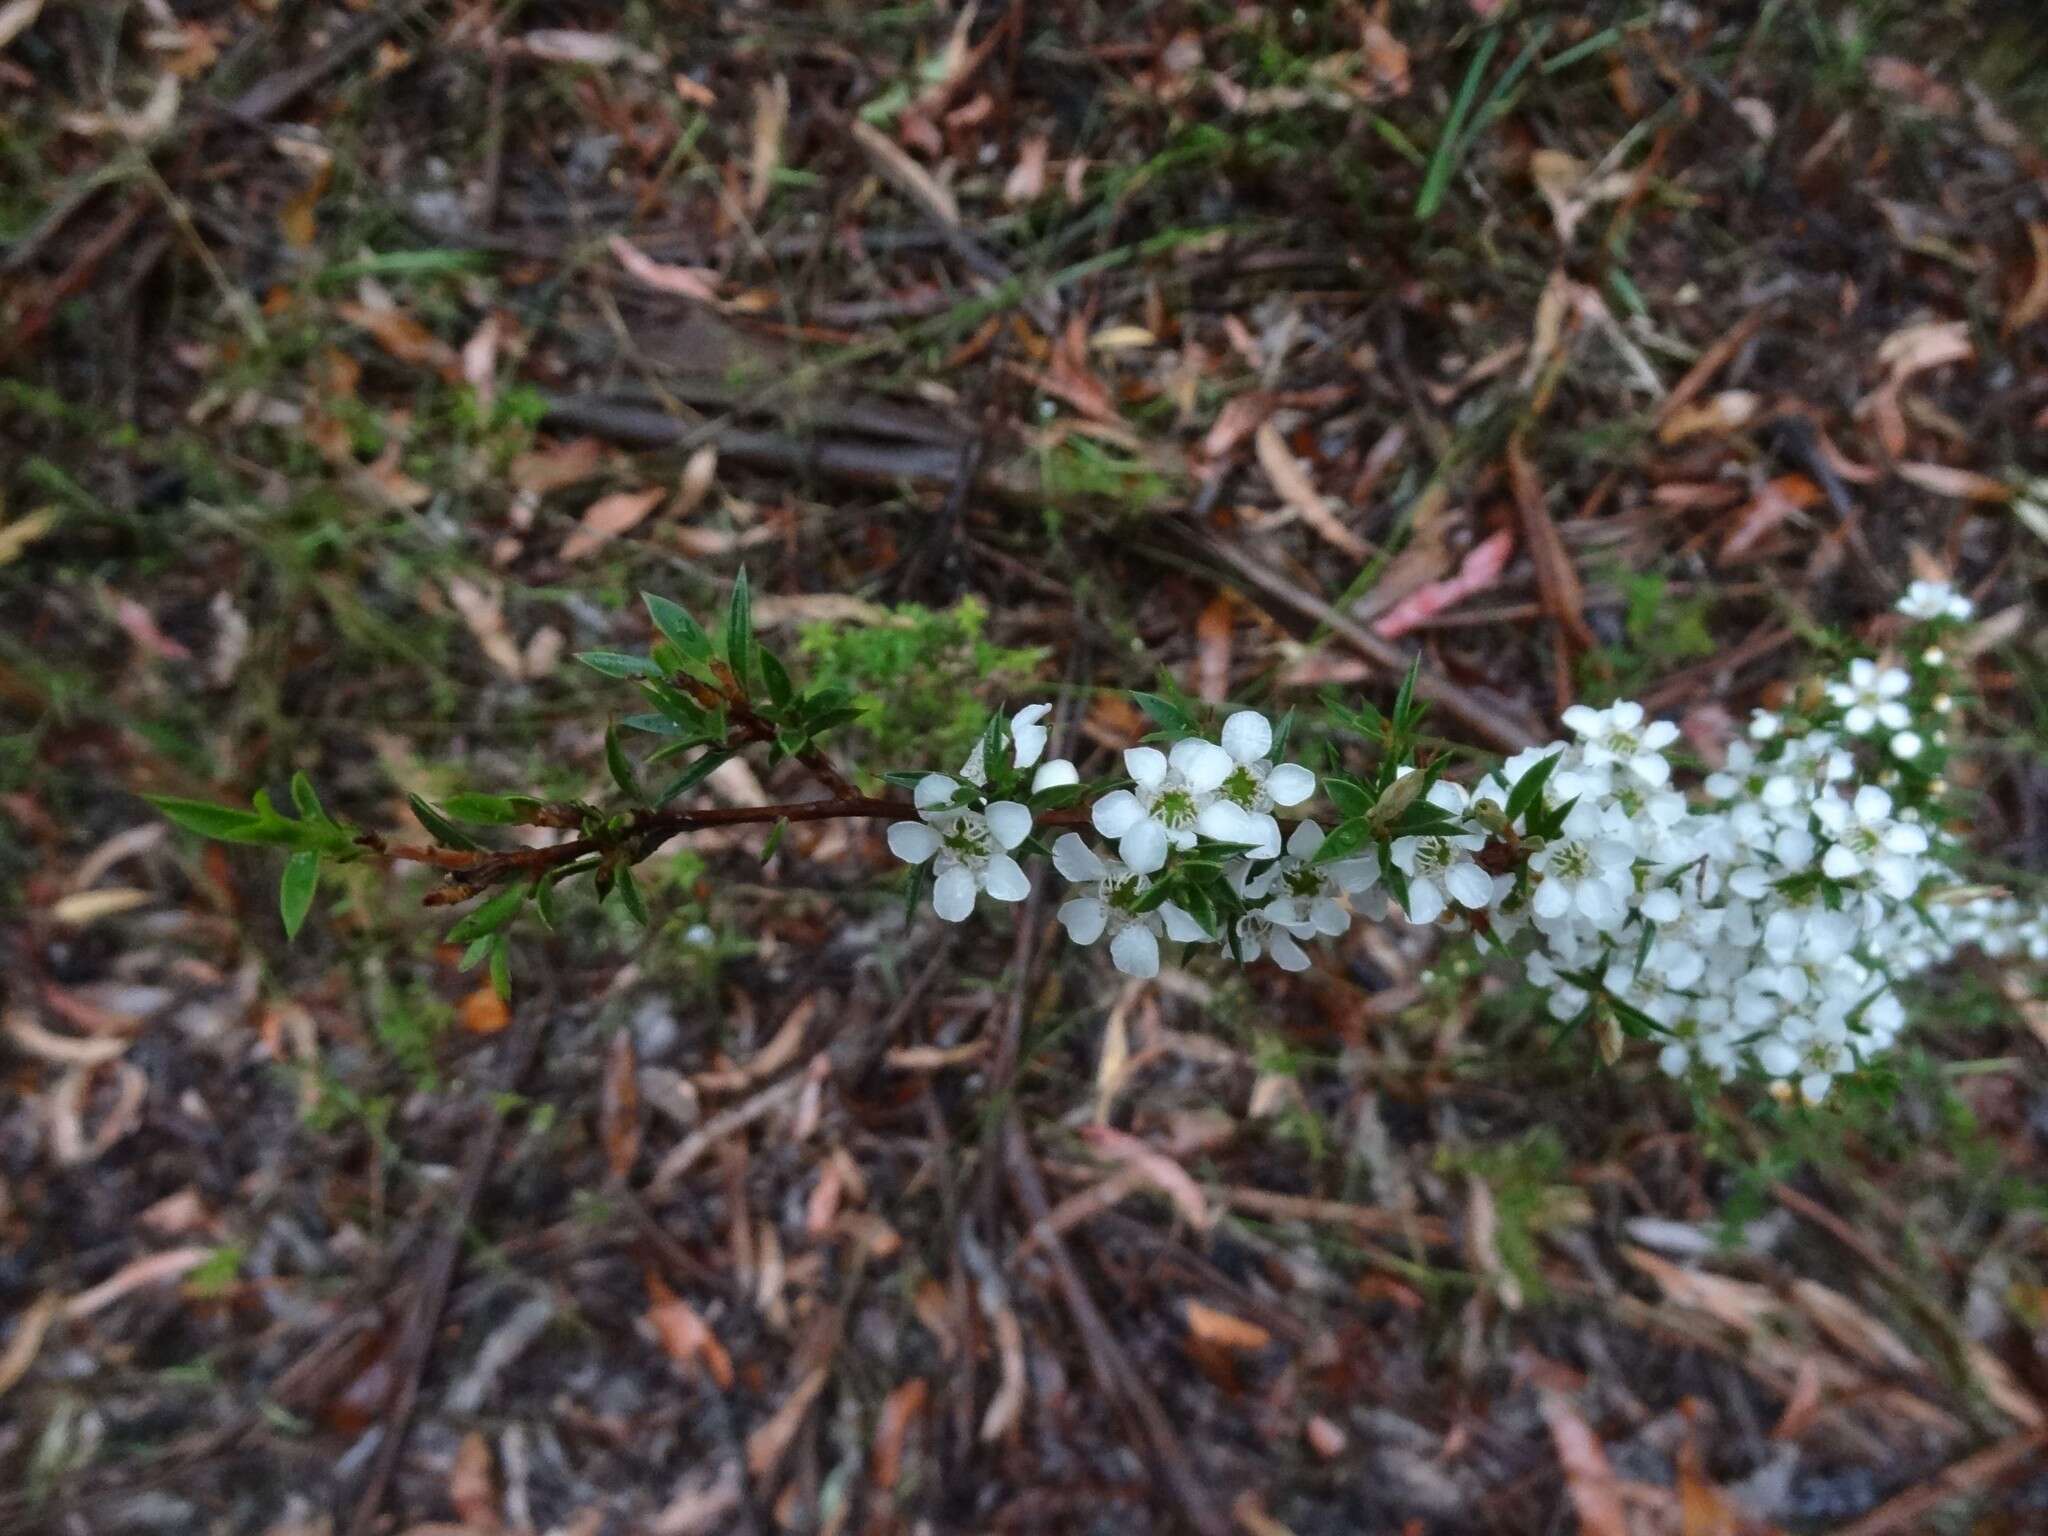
494,914
440,828
295,890
739,629
621,770
677,627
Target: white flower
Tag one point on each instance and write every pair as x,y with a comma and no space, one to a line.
1590,877
1110,908
1308,897
1259,934
1935,600
1437,867
1618,735
1028,736
1242,811
1168,795
1871,697
970,848
1867,839
1906,746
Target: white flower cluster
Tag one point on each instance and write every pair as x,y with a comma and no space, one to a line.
1761,925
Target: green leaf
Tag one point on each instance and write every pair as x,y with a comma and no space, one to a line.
491,916
621,769
780,689
1444,162
295,890
1349,796
440,828
1528,789
677,627
653,725
477,950
223,822
1405,710
618,664
544,903
739,629
487,810
501,967
775,838
1345,840
306,799
629,896
1166,714
692,776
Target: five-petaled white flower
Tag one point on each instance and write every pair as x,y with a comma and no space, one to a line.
1872,696
1168,795
970,849
1935,600
1437,866
1618,735
1242,810
1867,839
1028,736
1111,907
1308,897
1590,875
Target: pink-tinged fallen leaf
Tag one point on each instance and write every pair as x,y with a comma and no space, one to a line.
767,1444
2032,304
400,335
563,464
1241,416
1928,344
1212,649
1479,570
473,1486
62,1050
480,357
16,17
1912,83
699,283
1960,484
900,1410
684,1336
608,517
1224,1329
139,1274
1300,493
1386,58
1026,181
1727,411
1588,1476
764,159
699,475
618,1107
1778,500
1171,1179
484,613
1324,1438
390,484
31,1326
140,626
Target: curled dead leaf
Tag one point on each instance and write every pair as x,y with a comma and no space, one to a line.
608,517
1225,1329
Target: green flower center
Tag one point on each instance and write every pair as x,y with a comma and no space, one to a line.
1240,788
1175,808
967,841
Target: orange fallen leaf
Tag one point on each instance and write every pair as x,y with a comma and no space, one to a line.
1212,649
1727,411
900,1410
542,470
1775,502
1961,484
295,221
1300,493
618,1112
483,1012
472,1485
1224,1329
1588,1476
2032,304
608,517
399,334
1026,181
684,1336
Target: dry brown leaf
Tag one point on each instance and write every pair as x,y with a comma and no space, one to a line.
542,470
1225,1329
764,158
1961,484
483,1012
295,221
1557,579
1903,78
1212,649
1240,417
16,17
608,517
81,909
1386,57
704,1505
1324,1437
699,283
472,1485
905,174
1589,1478
618,1112
685,1337
1778,500
399,334
138,1274
900,1410
767,1444
480,356
1251,1517
24,531
564,45
700,473
2032,304
1703,1509
26,1342
1479,570
1728,411
150,121
1026,181
1172,1180
1299,492
1482,1240
390,484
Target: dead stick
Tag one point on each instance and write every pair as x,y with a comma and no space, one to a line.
1908,1511
417,1342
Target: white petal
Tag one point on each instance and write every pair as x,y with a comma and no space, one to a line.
1290,784
1143,846
933,789
1053,773
1009,822
1004,879
1425,902
1229,823
1202,763
1470,885
1658,735
1117,812
1084,919
1328,917
1354,876
1181,926
1582,720
912,841
953,894
1146,765
1027,736
1841,864
1872,804
1075,860
1304,840
1247,736
1287,954
1135,951
1662,906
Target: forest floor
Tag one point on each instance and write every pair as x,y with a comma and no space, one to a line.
360,363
